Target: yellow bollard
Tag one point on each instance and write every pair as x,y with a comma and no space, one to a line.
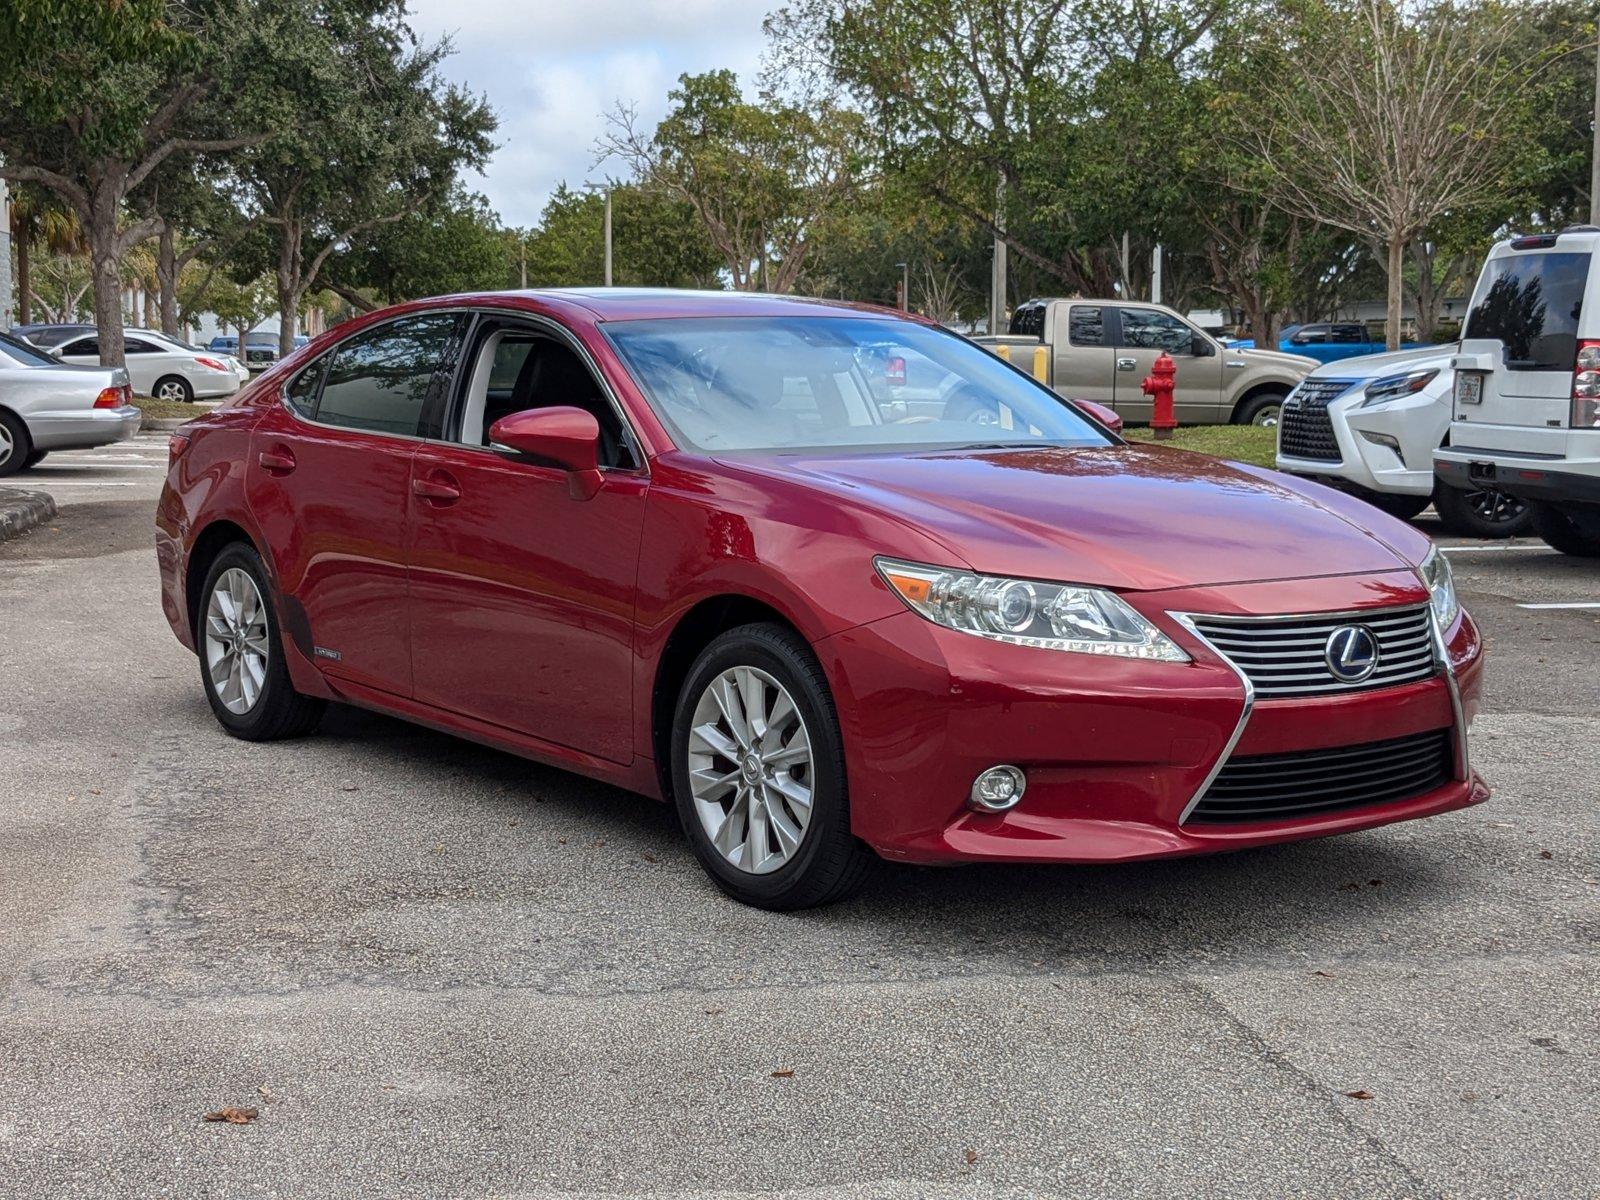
1004,351
1041,364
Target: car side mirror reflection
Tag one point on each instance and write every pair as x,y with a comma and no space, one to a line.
568,438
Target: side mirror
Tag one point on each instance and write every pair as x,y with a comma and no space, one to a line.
568,438
1107,417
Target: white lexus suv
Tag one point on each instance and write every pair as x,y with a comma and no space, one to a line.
1527,385
1370,425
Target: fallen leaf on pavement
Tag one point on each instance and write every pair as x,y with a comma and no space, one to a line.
1545,854
971,1157
266,1092
1325,974
233,1115
1360,1094
783,1074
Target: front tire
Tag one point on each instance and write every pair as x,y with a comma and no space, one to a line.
242,667
758,773
1264,410
15,445
1561,532
174,388
1481,513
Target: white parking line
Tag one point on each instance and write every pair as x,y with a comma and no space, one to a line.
61,483
1489,549
1567,604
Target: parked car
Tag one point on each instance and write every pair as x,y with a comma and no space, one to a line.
45,406
46,336
1370,425
1332,341
1101,350
261,348
241,372
674,541
158,367
1526,402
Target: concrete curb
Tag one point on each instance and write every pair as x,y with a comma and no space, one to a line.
163,424
20,511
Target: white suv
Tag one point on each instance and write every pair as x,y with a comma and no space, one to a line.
1370,425
1527,387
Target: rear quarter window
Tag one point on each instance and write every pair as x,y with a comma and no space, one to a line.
1531,302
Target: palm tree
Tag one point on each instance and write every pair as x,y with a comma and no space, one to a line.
35,217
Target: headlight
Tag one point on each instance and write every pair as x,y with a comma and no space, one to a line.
1393,387
1435,571
1024,612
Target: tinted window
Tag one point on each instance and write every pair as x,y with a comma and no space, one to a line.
1308,335
1530,302
1349,333
1028,319
1086,326
1146,329
135,346
302,391
379,380
85,346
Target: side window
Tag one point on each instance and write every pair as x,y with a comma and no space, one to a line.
302,390
1146,329
1349,334
1312,335
135,346
1086,326
1028,320
90,346
380,380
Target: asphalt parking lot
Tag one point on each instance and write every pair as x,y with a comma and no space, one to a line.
438,970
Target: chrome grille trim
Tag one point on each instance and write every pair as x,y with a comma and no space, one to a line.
1283,656
1304,428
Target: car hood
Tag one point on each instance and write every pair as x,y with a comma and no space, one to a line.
1127,517
1395,362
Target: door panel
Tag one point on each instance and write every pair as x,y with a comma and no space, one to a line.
1085,359
331,504
1144,334
522,597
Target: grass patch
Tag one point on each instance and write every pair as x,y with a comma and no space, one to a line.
152,407
1244,443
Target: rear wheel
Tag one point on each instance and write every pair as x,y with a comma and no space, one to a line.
758,773
241,654
1481,512
34,459
1263,410
1562,533
173,387
15,444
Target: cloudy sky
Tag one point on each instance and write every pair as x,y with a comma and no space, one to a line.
553,68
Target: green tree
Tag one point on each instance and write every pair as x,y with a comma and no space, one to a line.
657,241
457,247
99,95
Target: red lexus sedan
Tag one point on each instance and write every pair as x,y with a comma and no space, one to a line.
710,548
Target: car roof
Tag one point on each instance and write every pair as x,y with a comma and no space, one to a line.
634,304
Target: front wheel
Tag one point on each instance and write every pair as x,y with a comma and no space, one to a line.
758,773
1481,512
241,654
1264,410
172,387
1561,532
15,445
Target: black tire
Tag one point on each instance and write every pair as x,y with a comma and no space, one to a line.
279,711
1482,513
1255,410
34,459
1397,504
830,862
16,445
1561,532
177,383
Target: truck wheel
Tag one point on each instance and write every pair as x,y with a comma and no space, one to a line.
1561,532
1397,504
1261,410
1481,512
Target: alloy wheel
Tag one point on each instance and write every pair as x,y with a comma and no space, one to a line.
8,446
171,389
750,769
1267,418
236,641
1496,508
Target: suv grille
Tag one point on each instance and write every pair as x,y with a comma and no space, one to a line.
1307,783
1288,656
1304,430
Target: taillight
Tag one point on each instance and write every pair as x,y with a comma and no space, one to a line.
1586,386
111,397
176,445
213,364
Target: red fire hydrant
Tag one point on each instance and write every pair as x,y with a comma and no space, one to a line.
1159,385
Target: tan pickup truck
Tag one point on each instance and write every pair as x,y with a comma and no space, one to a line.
1101,350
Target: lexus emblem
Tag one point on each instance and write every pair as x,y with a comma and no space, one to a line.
1351,653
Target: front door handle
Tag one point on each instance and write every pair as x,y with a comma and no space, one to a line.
1127,364
438,488
279,461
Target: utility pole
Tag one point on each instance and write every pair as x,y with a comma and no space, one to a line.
905,286
7,311
1594,153
997,282
606,188
522,248
1155,275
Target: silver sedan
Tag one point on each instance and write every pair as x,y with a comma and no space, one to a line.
47,406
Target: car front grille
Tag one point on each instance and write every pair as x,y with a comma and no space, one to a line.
1288,656
1304,428
1275,787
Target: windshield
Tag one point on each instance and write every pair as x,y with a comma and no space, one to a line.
1530,302
21,352
805,383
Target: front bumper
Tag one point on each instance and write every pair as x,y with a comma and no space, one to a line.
83,428
1115,750
1387,448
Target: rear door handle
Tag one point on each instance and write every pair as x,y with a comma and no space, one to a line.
279,461
437,489
1127,364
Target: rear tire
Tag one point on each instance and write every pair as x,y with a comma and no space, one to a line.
34,459
1561,532
237,626
1264,410
15,444
736,779
173,387
1397,504
1482,513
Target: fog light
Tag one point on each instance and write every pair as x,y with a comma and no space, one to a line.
998,789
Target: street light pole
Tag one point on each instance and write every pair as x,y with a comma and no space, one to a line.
905,286
606,188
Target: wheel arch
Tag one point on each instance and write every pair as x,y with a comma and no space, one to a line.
208,544
1278,387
